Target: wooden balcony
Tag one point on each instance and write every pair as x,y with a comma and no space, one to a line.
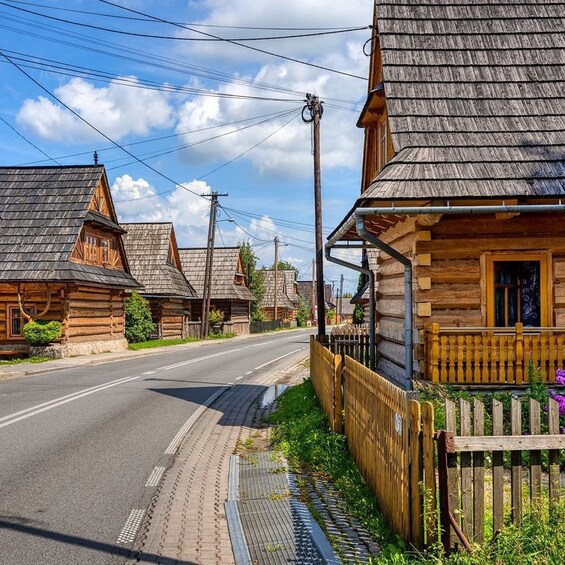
491,356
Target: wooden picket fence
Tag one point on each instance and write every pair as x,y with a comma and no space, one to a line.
326,374
464,472
351,340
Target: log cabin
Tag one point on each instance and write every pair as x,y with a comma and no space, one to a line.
287,295
462,180
229,293
154,260
62,258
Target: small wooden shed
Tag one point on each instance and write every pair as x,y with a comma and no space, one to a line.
155,262
463,176
229,293
61,258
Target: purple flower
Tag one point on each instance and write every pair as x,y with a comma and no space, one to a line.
560,401
560,376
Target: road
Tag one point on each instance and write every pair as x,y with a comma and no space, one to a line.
83,448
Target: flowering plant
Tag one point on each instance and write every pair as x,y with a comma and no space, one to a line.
560,376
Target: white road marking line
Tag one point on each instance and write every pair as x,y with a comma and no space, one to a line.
129,531
33,410
278,358
149,372
238,378
155,477
174,445
182,363
248,372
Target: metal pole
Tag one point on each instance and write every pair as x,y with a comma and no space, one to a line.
341,298
276,278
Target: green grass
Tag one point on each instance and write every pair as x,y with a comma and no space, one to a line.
159,343
221,336
25,360
302,433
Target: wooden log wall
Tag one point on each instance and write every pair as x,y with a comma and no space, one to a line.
168,317
94,314
36,295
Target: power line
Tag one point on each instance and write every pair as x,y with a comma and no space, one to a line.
264,51
30,142
146,20
177,38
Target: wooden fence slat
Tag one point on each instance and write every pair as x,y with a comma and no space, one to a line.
535,456
553,456
416,474
466,472
452,471
478,475
497,469
516,463
428,447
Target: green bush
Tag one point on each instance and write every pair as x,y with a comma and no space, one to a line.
215,317
41,332
139,325
303,313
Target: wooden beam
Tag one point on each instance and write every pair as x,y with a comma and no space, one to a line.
505,443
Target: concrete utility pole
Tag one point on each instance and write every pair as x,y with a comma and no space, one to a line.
207,290
311,114
276,278
340,298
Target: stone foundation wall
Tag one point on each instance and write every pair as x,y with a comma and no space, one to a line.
62,350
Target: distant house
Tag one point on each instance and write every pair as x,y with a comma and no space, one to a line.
229,292
61,258
462,190
154,261
287,295
307,292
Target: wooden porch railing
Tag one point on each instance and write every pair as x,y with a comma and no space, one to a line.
491,355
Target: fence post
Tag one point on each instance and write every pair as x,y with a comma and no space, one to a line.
338,397
519,353
416,507
434,353
445,523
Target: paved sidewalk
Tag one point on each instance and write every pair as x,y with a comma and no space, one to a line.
186,522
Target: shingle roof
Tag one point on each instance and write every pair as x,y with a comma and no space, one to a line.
224,271
475,96
283,292
306,292
42,211
147,247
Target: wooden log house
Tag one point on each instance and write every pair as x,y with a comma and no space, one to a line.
287,295
154,260
466,109
61,258
229,293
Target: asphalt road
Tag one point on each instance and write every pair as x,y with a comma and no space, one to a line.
78,446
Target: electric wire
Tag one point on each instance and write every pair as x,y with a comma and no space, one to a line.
30,142
264,51
181,38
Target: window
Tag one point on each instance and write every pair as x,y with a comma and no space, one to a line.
105,250
15,321
383,145
518,290
91,244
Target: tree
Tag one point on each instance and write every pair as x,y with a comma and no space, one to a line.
285,266
254,279
358,314
347,295
303,312
139,325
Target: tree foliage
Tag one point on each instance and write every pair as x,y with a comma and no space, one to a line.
41,332
139,325
284,266
303,312
254,279
358,315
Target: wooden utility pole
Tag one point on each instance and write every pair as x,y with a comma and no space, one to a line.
313,289
276,296
311,114
340,298
207,289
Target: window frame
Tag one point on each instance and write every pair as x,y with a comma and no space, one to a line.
546,291
9,318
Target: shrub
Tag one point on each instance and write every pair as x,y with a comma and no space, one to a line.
42,332
215,317
139,325
303,312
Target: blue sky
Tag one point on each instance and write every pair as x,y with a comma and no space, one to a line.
205,115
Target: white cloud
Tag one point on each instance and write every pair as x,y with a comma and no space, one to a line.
116,110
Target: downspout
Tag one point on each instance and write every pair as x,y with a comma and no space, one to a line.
371,275
408,308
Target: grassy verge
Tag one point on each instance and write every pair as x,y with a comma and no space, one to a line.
25,360
159,343
301,431
221,336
